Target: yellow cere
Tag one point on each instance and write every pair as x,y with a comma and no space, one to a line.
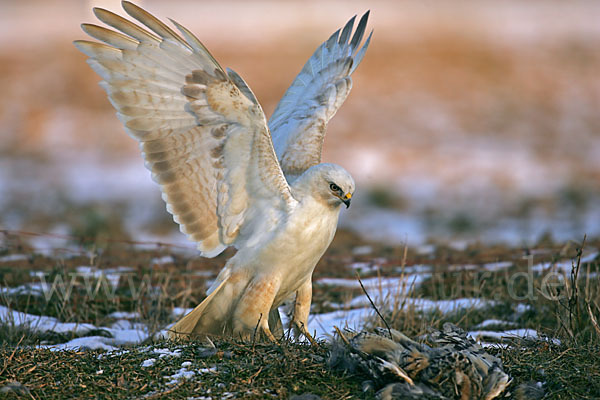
349,195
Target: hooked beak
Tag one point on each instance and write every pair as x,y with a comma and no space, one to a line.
346,199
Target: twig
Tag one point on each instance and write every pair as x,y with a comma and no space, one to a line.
339,332
255,330
593,319
574,298
374,306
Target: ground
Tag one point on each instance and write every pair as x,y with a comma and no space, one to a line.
119,296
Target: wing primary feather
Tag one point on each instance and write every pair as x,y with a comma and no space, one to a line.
361,53
125,26
332,39
111,37
152,22
96,50
195,43
360,30
346,31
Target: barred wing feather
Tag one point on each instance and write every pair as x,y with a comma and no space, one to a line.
201,131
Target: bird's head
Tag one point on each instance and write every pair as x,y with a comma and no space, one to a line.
333,184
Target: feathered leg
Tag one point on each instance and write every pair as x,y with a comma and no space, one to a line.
252,311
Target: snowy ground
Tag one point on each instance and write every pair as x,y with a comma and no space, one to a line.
388,291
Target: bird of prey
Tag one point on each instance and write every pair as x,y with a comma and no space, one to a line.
228,177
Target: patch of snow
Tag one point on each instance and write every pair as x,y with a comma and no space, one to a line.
362,250
385,290
448,306
33,288
374,283
87,342
497,266
331,304
180,311
162,260
425,249
590,257
119,337
414,269
494,322
182,374
364,267
186,364
565,266
112,353
521,309
124,315
322,325
421,305
128,336
463,267
162,353
41,323
37,323
148,363
164,333
514,333
559,266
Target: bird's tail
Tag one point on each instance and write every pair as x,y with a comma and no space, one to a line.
214,315
209,317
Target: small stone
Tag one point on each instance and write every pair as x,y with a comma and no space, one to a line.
207,352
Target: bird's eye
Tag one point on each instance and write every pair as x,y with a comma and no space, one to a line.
334,187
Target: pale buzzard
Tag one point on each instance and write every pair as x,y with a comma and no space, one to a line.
228,177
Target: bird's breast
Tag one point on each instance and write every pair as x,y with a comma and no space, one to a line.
308,233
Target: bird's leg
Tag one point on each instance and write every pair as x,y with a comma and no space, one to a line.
252,312
268,334
301,311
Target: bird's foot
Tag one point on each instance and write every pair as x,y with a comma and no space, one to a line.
269,335
301,329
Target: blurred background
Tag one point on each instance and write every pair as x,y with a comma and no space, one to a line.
468,121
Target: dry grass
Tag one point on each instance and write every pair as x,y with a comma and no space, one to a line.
240,371
291,368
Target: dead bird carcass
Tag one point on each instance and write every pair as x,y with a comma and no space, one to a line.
447,364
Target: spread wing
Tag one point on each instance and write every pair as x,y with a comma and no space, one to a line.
201,131
299,122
